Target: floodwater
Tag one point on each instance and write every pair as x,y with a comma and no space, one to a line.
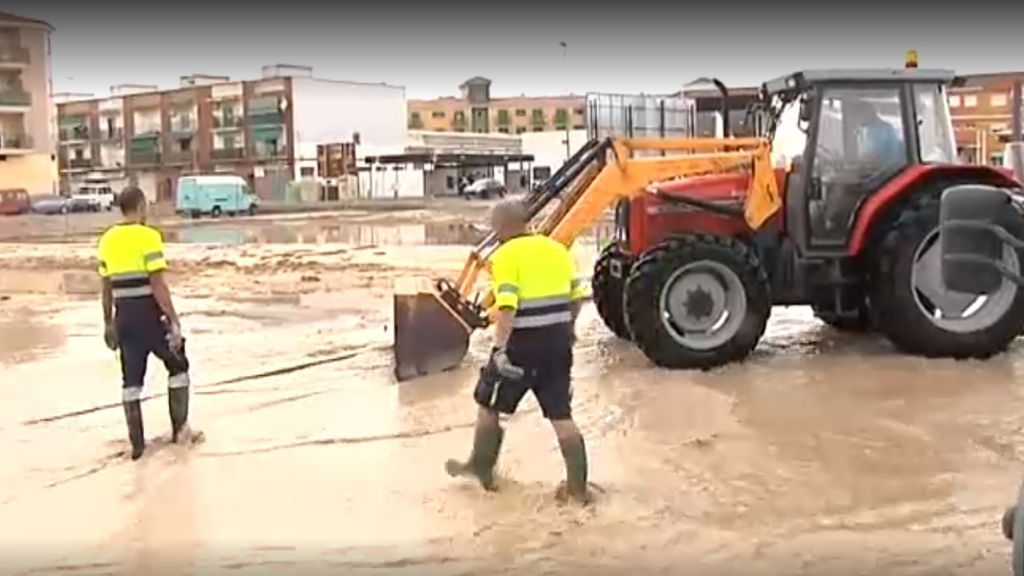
824,453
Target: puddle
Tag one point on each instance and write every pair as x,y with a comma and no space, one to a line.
309,232
23,339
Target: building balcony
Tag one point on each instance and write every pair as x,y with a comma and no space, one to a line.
270,154
229,123
266,119
15,97
75,163
181,157
15,142
73,133
227,153
116,134
183,127
144,158
16,56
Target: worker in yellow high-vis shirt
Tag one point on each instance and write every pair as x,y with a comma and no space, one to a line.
139,317
538,297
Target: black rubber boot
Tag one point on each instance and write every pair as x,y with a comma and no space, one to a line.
574,452
133,417
1008,519
177,402
486,447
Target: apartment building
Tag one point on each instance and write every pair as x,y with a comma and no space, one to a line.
265,130
26,117
477,112
982,112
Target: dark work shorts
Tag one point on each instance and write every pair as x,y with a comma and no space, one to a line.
142,331
546,356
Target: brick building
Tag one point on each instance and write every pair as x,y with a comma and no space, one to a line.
982,113
264,130
476,111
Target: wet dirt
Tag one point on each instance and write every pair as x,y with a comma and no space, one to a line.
824,453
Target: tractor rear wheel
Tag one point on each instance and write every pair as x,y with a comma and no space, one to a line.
697,301
608,285
912,307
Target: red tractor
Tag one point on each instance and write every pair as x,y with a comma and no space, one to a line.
835,205
861,160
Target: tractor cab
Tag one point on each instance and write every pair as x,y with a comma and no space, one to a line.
844,135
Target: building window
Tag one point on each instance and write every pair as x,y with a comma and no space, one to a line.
970,100
503,118
954,101
520,113
579,127
998,100
538,116
306,172
415,122
437,114
561,117
538,128
503,130
578,111
520,129
459,121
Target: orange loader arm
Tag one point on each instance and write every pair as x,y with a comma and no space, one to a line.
628,176
432,327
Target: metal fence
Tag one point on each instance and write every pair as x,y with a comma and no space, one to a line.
639,116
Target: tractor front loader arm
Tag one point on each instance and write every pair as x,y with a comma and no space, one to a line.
433,323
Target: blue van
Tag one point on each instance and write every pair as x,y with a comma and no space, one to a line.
214,195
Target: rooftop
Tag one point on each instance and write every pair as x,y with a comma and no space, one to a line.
8,18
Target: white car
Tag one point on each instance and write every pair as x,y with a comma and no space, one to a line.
93,198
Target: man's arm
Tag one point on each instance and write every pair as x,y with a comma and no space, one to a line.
578,288
107,302
505,281
162,294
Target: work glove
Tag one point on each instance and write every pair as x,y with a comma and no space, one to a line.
504,366
174,338
110,337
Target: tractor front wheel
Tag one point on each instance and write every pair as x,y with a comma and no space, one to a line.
697,301
918,314
608,285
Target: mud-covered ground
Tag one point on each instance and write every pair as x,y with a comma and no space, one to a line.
823,454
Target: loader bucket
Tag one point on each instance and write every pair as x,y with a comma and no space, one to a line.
430,335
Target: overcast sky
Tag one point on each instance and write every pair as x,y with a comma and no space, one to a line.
431,48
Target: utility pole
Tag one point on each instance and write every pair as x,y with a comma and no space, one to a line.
565,71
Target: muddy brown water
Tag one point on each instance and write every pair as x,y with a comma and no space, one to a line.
823,453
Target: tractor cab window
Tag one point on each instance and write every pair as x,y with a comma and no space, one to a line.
934,126
790,138
860,144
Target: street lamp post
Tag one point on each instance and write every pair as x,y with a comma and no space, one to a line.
565,71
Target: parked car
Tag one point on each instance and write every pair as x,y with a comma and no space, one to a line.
214,194
51,204
13,202
485,188
93,198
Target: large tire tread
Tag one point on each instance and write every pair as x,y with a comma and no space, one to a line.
643,290
895,311
610,292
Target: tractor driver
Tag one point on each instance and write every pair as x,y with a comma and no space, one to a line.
538,298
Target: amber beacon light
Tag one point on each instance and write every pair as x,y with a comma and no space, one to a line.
911,61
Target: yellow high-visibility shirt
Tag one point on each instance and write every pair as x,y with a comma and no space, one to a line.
535,276
128,254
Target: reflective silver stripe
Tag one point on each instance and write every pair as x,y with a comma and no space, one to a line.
131,394
178,381
507,289
542,320
132,292
544,302
494,394
153,256
129,276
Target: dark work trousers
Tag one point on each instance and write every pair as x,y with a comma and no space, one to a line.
142,330
545,354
